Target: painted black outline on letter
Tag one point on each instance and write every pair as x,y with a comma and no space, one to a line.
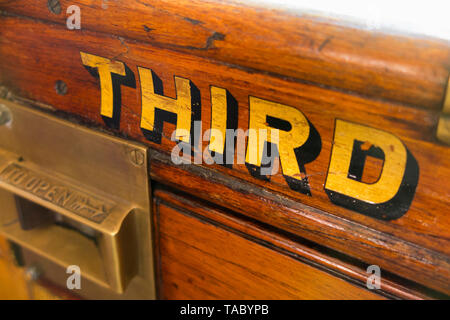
389,210
304,154
231,124
162,116
128,80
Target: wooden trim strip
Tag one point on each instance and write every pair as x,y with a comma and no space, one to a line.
300,48
400,257
283,244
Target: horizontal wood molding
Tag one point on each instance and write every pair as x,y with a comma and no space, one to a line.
406,259
277,242
200,258
37,55
398,68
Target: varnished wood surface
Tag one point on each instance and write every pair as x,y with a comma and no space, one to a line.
401,82
356,274
34,55
203,259
392,254
285,44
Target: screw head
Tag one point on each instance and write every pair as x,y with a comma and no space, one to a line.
54,6
5,115
137,157
60,87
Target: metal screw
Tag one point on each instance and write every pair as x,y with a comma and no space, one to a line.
60,87
32,273
5,115
137,157
54,6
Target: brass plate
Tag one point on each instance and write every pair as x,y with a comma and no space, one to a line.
96,180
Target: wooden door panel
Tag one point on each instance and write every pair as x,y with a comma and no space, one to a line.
204,253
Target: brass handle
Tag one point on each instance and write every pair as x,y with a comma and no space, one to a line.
95,187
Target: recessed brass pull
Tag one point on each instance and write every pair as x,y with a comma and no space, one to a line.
93,191
443,129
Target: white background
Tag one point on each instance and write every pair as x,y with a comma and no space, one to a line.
426,17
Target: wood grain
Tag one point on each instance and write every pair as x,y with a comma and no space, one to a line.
48,53
304,252
35,54
201,259
379,247
285,44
